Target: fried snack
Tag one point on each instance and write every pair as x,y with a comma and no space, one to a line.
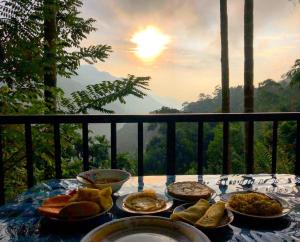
144,201
86,194
80,209
193,213
105,198
189,190
101,197
58,201
212,217
84,203
255,204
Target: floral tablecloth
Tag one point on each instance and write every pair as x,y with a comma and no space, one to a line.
19,220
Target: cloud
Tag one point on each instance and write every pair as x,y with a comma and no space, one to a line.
192,60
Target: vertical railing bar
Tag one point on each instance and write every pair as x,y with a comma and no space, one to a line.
29,163
57,151
85,146
200,149
171,143
274,146
140,149
297,165
113,138
249,147
226,165
2,190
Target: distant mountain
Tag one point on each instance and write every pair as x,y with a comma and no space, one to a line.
88,75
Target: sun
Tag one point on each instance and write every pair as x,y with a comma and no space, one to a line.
150,42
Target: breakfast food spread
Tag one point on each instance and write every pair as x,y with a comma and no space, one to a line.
85,202
188,190
255,204
144,201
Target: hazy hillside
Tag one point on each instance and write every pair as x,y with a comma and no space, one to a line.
88,75
127,138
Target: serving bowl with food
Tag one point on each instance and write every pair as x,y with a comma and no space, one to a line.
257,205
101,178
81,205
203,215
145,202
189,191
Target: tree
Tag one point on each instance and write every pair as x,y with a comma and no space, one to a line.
50,37
40,39
225,81
248,82
294,74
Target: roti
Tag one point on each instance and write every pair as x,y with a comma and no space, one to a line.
189,190
144,201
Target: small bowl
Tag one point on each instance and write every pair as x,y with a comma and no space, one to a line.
89,178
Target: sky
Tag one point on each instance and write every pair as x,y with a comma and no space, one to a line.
189,63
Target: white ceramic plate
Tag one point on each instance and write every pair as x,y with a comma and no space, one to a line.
145,229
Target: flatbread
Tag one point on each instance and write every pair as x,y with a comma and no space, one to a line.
144,201
189,190
193,213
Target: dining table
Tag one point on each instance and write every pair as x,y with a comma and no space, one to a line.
20,220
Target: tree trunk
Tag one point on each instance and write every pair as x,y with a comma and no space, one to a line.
50,37
225,84
248,83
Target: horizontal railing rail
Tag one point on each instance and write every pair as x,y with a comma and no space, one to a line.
148,118
169,119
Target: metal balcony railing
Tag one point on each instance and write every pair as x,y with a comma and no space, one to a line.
169,119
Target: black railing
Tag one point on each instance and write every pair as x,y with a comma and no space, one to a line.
169,119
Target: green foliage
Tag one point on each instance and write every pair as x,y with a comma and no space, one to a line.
23,65
155,156
294,73
269,96
98,95
128,162
23,59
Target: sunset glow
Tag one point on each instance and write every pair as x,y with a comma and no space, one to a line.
150,42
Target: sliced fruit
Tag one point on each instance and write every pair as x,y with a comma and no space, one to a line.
58,201
80,209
